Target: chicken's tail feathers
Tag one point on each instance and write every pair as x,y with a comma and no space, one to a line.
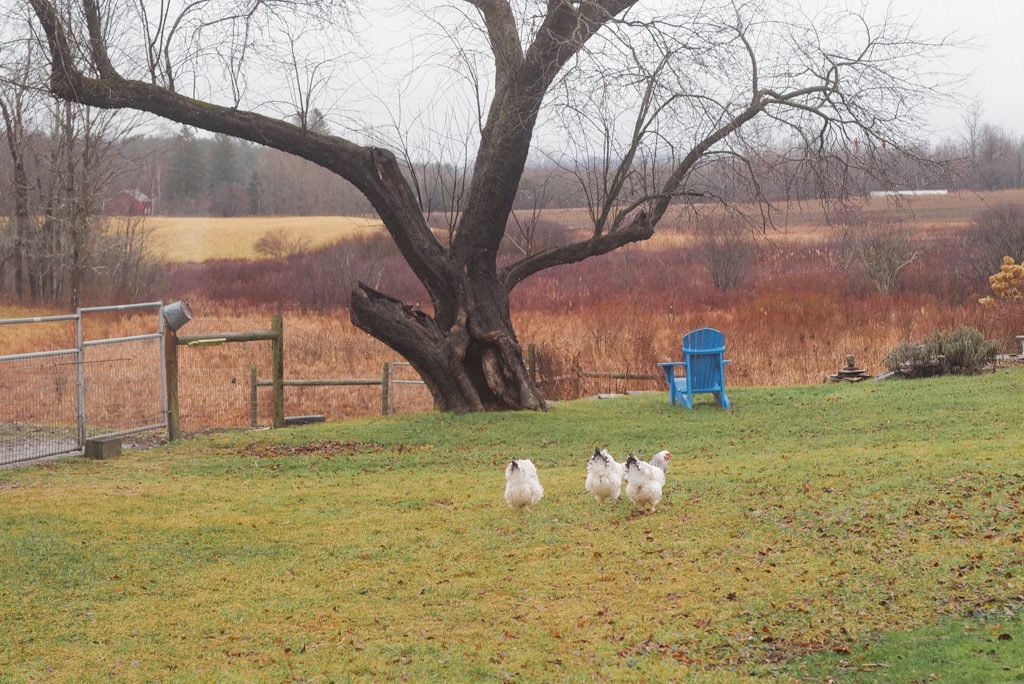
632,463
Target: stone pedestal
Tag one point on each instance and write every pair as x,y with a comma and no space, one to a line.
850,373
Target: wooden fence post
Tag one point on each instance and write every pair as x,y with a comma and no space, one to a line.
277,373
254,398
171,373
385,389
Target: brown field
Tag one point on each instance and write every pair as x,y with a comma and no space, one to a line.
181,238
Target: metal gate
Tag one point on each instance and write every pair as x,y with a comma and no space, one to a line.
51,402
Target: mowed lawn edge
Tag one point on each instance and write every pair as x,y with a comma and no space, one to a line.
807,520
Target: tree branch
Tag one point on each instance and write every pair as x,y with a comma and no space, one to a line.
508,133
372,170
97,46
642,228
504,38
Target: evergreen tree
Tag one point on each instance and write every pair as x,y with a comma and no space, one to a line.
223,162
187,173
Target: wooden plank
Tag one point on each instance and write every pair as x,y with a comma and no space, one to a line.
248,336
320,383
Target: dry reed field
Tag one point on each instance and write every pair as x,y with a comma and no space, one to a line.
770,342
791,323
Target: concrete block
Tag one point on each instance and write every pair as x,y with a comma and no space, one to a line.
104,447
303,420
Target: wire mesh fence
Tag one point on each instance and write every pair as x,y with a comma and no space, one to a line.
213,379
124,386
40,405
114,383
408,393
54,400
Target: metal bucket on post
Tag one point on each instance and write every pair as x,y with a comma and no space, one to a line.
177,314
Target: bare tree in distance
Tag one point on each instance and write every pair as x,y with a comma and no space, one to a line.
726,247
526,231
58,244
279,244
678,85
885,249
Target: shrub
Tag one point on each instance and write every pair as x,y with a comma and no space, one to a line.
726,248
1009,282
994,233
961,351
884,249
278,244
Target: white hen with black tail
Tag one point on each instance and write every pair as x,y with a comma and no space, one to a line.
646,481
522,486
604,476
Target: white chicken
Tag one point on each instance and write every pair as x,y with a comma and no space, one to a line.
604,476
646,481
522,486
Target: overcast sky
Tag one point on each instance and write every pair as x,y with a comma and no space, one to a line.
997,62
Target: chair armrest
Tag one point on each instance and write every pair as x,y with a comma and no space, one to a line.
669,368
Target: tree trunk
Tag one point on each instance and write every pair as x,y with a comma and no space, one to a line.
475,365
20,249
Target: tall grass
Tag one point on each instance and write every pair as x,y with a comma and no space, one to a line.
803,308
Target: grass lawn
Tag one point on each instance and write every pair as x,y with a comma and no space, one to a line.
868,532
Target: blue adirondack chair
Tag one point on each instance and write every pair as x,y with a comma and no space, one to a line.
704,368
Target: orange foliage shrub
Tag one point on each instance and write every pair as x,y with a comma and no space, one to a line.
1009,282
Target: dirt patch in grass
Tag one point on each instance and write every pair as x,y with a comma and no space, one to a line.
326,448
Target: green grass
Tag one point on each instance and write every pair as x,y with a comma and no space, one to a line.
812,533
986,645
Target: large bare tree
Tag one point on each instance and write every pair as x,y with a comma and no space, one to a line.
641,95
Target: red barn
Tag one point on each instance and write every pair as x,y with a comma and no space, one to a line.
130,203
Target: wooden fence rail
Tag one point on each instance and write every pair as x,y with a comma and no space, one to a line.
277,382
385,382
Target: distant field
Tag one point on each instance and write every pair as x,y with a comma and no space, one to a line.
805,221
201,238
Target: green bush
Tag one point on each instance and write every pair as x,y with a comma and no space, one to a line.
961,351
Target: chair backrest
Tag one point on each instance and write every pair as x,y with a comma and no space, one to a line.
703,352
704,340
